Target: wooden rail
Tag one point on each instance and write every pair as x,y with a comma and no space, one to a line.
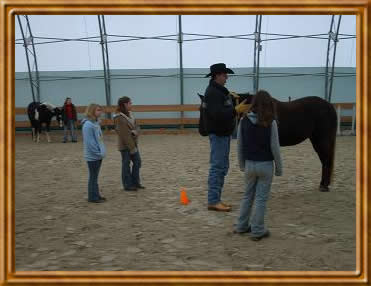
135,108
141,122
174,121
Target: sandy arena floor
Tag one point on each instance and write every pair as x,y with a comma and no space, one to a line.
56,229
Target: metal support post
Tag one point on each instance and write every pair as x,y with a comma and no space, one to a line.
181,75
330,61
32,74
257,50
105,56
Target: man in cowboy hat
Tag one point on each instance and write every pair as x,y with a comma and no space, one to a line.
220,121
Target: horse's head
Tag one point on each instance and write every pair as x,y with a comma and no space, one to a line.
246,96
58,115
243,96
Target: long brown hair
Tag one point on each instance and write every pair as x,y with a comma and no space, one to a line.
262,104
121,105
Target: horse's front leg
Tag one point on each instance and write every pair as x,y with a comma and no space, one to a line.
33,134
47,132
38,131
48,137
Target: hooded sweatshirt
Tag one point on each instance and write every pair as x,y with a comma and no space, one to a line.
264,146
94,148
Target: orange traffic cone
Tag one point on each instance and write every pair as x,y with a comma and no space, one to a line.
183,197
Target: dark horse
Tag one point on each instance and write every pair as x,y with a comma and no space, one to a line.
42,113
308,117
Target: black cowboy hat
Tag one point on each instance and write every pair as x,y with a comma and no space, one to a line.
219,68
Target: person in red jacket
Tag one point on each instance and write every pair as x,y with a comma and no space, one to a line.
69,117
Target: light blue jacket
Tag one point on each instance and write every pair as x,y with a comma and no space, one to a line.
94,148
275,145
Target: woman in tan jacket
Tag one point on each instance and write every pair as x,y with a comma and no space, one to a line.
128,132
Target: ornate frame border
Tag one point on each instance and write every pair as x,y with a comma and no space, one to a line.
8,10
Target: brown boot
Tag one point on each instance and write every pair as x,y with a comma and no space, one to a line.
219,207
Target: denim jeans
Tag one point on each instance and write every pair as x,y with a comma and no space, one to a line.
130,176
219,165
69,125
258,181
93,189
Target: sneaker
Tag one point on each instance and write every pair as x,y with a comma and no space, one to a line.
131,189
257,238
140,187
248,230
97,201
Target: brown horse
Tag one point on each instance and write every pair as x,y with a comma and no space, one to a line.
308,117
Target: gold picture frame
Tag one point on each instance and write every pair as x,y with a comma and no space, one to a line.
10,8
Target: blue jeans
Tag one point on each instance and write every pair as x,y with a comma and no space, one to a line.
258,181
69,125
219,165
93,189
130,176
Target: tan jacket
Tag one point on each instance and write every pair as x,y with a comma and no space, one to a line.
126,138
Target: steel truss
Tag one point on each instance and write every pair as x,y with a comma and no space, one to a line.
333,36
187,37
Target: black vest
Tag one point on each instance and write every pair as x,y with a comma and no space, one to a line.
256,141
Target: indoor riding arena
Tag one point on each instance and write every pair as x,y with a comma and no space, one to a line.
56,228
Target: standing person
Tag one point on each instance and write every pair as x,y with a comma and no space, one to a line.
69,117
94,150
220,121
128,133
258,146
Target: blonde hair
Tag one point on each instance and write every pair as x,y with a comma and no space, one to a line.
90,111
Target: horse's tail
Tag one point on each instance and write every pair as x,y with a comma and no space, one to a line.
202,123
332,158
333,145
